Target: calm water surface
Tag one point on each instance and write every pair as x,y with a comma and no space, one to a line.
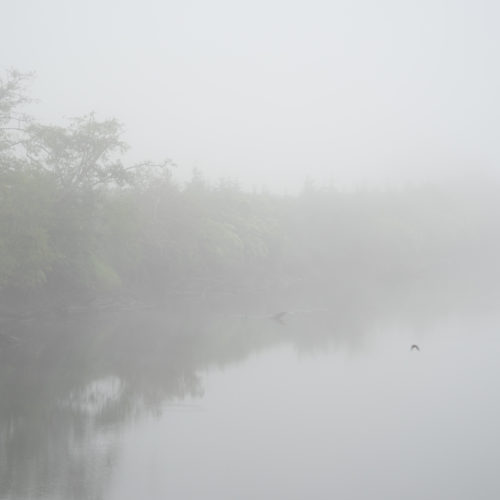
248,408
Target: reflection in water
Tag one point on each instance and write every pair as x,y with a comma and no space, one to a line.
67,389
77,398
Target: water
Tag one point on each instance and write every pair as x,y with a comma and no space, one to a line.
247,408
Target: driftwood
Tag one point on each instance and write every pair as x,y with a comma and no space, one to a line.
67,309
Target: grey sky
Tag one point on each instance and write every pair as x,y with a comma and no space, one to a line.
271,92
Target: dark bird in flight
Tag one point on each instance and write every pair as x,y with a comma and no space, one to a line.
414,347
279,317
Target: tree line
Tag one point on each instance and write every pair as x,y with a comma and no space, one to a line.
77,222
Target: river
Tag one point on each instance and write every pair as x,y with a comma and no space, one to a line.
190,406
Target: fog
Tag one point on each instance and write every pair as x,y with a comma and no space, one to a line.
271,93
249,251
171,404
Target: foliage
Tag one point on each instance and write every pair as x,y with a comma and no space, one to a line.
75,221
26,254
12,120
84,154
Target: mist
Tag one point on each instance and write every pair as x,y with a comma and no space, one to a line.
249,251
270,94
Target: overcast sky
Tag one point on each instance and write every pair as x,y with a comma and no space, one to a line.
272,92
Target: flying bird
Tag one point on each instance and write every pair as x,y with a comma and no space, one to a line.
278,317
414,347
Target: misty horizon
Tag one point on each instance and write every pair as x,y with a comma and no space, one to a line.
347,93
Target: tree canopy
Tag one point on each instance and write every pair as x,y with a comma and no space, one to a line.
76,220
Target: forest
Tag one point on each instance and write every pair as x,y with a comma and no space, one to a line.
81,227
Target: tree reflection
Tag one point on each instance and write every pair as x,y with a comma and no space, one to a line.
68,388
